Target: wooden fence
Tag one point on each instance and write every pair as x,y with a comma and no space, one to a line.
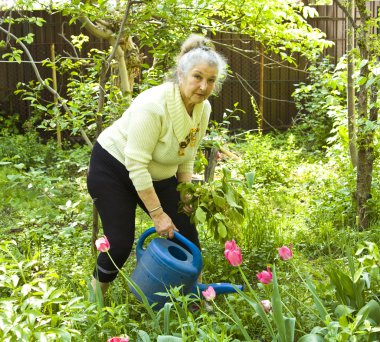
259,80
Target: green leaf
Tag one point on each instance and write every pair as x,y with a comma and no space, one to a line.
236,217
363,63
218,200
40,22
29,38
238,321
222,230
342,311
166,338
311,338
370,310
277,309
200,215
143,336
344,286
231,199
260,311
166,309
250,177
317,301
361,80
290,323
370,82
358,274
43,108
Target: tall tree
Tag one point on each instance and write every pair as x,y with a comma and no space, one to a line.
367,109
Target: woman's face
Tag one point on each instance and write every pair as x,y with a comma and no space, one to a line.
198,84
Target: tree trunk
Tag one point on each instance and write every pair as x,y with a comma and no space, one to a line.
364,141
351,119
365,134
211,164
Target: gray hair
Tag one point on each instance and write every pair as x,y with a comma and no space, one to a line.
196,50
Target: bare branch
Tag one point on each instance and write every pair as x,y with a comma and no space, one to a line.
258,53
245,84
9,26
67,40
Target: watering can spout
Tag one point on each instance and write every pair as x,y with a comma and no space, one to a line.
220,288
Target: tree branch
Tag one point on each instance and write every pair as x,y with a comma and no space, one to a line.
244,53
68,41
94,29
105,66
121,29
348,14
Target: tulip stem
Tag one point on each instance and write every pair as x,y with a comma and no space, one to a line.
248,284
227,315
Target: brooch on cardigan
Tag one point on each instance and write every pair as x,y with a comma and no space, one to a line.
190,139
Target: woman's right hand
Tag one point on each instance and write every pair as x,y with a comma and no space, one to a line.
163,224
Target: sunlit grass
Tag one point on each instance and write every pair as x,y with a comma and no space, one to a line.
296,198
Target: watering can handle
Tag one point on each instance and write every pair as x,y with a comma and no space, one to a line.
140,242
194,250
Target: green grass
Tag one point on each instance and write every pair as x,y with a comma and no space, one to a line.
297,197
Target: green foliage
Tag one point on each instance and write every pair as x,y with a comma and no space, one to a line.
268,160
26,151
82,91
344,324
32,306
218,204
303,198
218,133
316,117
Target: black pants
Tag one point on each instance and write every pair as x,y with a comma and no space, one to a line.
116,200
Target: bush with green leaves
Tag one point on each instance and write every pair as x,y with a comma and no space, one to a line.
82,92
219,204
26,150
319,101
33,306
267,160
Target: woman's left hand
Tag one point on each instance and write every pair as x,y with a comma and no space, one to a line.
187,207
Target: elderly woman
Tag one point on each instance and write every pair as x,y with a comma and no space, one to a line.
143,156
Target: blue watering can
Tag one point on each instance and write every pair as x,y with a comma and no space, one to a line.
165,264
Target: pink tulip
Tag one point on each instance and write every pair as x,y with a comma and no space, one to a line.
230,245
233,253
285,253
265,276
267,305
209,294
118,339
102,244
